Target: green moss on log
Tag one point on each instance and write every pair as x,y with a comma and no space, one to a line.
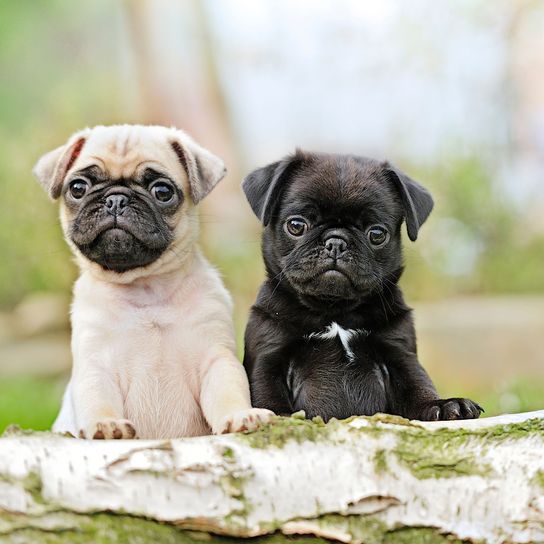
106,528
443,453
539,479
282,430
102,528
420,535
390,419
380,461
440,453
431,455
32,484
366,529
370,529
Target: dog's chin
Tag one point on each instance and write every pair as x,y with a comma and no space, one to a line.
328,286
118,250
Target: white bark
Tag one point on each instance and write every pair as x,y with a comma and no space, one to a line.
362,480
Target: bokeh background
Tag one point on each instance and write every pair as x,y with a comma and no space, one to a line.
452,92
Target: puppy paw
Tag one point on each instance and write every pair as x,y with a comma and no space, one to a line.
109,429
244,420
449,409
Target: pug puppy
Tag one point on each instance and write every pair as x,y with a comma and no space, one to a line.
152,334
330,332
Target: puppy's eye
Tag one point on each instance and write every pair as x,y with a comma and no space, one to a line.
296,226
377,235
78,188
163,192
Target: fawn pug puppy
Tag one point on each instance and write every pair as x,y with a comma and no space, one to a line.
152,334
330,332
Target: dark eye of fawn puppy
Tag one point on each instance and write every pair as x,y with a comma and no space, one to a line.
330,332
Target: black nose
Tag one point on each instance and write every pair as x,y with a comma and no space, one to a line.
335,247
116,204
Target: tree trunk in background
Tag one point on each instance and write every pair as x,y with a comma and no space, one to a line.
379,479
174,59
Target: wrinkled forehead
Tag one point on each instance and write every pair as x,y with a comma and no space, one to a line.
345,185
126,151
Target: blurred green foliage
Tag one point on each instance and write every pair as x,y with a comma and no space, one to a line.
30,402
475,223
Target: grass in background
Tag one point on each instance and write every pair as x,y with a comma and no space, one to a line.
31,403
523,395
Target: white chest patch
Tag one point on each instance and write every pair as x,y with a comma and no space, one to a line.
344,335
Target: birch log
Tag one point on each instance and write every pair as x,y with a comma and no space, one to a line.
377,479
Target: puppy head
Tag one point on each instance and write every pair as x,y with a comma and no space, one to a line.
332,222
128,195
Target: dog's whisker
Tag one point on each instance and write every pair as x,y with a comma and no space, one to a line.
280,276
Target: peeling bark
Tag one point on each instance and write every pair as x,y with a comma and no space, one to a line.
378,479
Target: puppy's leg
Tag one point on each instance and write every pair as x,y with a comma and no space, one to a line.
265,356
98,405
267,384
415,397
224,397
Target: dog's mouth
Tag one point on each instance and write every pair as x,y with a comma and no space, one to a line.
331,281
117,243
119,250
334,274
330,271
116,226
327,281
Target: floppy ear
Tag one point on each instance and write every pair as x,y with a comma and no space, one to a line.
264,186
203,168
51,168
418,202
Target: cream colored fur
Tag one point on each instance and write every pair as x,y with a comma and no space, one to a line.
153,348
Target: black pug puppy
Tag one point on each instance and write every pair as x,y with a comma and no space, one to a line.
330,332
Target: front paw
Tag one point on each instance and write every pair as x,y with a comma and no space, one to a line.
108,429
449,409
243,420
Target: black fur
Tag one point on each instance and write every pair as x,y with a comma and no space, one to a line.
120,240
333,276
